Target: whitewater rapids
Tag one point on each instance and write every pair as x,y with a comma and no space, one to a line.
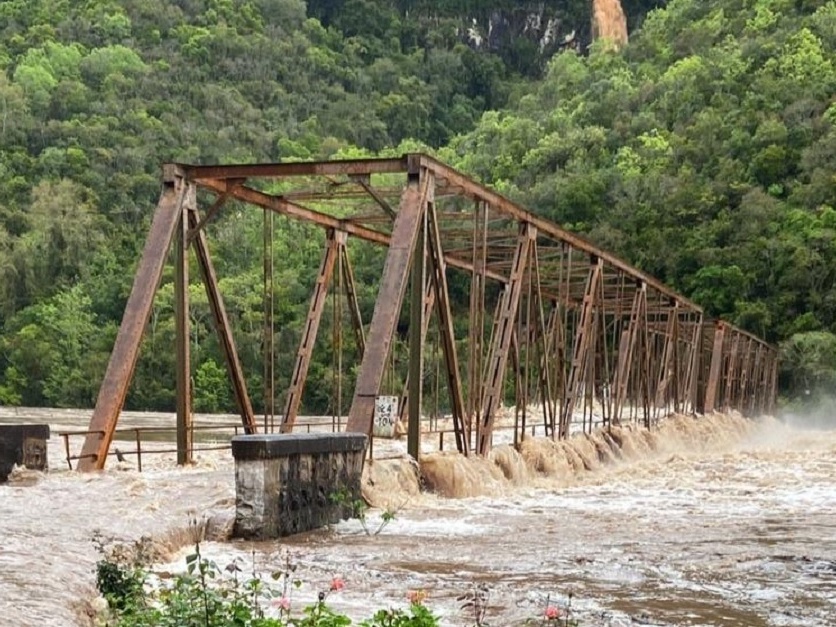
709,521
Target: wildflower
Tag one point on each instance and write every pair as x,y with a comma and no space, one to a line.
552,613
337,584
283,604
416,597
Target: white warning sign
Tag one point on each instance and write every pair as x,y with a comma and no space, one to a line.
385,416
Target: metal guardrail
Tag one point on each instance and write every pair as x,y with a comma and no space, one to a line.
138,432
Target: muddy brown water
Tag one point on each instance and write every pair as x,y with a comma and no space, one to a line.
742,532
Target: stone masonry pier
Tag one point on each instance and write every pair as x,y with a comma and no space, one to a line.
22,445
290,483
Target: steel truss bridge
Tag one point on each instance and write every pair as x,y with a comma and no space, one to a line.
570,326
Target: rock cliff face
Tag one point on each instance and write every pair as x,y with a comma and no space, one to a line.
524,33
550,26
547,27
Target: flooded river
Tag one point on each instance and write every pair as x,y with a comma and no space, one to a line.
703,523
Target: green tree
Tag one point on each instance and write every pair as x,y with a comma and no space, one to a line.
808,362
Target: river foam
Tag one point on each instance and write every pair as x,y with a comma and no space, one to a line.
714,520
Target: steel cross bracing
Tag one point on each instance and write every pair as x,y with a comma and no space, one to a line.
519,311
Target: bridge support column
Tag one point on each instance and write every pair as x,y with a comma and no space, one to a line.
504,328
581,353
692,377
628,344
668,363
711,388
731,372
445,319
122,362
181,326
418,322
476,336
389,300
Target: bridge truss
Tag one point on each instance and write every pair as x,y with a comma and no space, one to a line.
571,328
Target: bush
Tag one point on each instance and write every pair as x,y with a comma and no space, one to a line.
208,596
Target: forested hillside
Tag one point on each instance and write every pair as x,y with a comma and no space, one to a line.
704,152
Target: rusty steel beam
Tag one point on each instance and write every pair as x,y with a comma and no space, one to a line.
742,380
223,328
544,227
220,201
428,303
202,173
120,367
580,349
268,331
731,372
445,320
334,242
715,370
692,375
755,381
362,181
476,331
627,348
353,305
773,384
417,332
504,325
183,397
390,297
282,206
667,366
543,343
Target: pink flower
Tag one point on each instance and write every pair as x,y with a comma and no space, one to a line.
337,584
283,604
416,597
552,613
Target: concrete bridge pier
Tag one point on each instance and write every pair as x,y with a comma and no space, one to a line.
22,445
290,483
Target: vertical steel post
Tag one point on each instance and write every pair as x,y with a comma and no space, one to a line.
416,341
428,304
445,319
476,336
353,305
181,331
667,365
715,368
755,386
731,374
580,347
745,367
501,341
692,375
627,348
268,341
773,384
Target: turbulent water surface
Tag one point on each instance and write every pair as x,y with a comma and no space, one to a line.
741,532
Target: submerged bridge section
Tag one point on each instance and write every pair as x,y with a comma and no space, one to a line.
539,317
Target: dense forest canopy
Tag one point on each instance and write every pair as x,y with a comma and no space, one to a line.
704,152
